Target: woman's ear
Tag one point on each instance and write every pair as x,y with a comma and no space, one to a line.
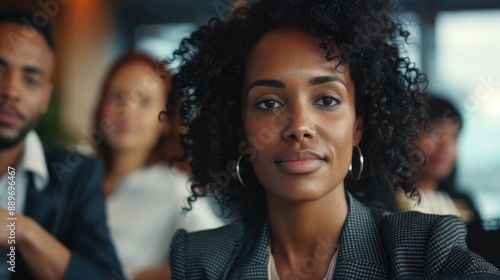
165,129
165,125
358,129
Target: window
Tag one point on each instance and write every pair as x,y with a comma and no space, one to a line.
161,41
468,73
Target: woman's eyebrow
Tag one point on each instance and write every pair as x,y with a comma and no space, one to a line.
266,83
325,79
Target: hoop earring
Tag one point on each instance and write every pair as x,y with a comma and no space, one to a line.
238,171
361,159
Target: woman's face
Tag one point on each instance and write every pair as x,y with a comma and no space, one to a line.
132,102
298,116
439,145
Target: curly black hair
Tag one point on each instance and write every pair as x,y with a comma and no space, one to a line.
388,92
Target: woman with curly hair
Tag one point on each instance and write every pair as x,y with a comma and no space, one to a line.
435,177
283,99
140,184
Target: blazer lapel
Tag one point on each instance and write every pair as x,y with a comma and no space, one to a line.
45,206
361,252
37,204
251,263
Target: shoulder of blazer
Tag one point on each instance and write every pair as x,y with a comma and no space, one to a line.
430,245
69,164
209,254
67,156
425,239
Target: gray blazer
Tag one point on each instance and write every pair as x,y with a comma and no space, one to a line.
373,245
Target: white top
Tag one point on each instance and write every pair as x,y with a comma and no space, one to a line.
144,213
307,265
432,202
33,160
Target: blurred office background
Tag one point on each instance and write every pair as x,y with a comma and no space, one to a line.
456,42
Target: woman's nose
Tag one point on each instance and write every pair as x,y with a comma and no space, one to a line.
299,127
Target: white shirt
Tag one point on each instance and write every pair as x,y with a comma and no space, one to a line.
32,160
432,202
145,211
272,272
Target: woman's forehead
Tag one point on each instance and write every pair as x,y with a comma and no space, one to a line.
289,49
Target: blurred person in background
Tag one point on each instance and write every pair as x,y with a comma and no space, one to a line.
436,179
60,230
436,172
144,193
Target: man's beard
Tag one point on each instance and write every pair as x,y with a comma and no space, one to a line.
7,143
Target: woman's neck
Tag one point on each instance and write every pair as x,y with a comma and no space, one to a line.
306,232
122,164
426,183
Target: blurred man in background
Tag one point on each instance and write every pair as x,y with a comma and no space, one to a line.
50,199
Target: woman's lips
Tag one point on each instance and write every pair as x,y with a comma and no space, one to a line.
9,116
124,128
298,162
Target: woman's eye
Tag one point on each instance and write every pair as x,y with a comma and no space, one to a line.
145,102
118,99
328,101
268,104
